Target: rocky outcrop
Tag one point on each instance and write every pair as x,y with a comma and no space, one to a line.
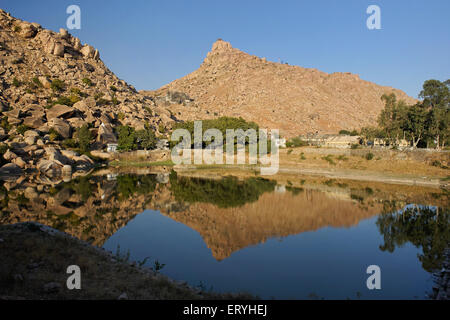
293,99
51,85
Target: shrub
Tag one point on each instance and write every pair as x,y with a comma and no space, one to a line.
5,124
78,92
113,88
369,156
355,146
121,116
289,151
54,135
69,143
57,85
87,81
36,82
22,129
329,159
302,156
17,29
16,83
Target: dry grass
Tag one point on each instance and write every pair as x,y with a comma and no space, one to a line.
32,258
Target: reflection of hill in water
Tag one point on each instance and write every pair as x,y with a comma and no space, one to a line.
226,230
229,213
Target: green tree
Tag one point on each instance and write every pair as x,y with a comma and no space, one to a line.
84,138
392,119
146,138
415,123
126,138
436,97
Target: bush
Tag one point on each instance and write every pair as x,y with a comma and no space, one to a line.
37,82
54,135
87,81
69,144
369,156
5,124
22,129
16,83
121,116
355,146
329,159
113,88
57,85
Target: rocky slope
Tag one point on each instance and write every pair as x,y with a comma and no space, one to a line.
50,85
293,99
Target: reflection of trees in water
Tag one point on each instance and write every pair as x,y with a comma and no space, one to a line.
227,192
424,226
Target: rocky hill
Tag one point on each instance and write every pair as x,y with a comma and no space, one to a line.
50,85
293,99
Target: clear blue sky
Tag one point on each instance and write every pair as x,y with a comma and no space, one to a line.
150,43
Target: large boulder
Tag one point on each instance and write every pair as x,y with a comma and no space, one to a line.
59,110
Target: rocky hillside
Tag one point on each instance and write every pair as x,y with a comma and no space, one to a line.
293,99
50,85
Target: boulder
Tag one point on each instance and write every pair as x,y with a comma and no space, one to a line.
58,49
87,51
9,155
54,154
45,82
101,154
33,121
59,110
27,30
61,126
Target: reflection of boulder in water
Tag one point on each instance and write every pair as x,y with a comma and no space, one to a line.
226,230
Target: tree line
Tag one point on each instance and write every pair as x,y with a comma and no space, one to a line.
424,124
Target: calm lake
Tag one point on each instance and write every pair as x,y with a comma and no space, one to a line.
288,238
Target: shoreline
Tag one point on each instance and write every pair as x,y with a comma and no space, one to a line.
46,253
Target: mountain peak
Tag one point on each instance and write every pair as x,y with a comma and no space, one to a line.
221,45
